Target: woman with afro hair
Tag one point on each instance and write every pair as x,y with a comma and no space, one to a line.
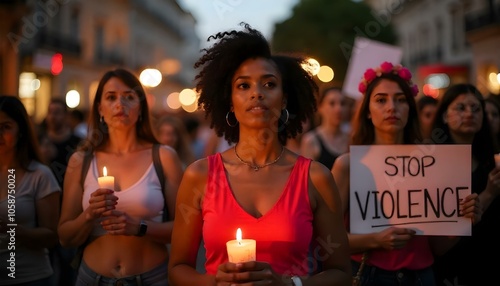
283,201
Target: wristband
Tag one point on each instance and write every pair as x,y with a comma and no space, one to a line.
296,281
143,227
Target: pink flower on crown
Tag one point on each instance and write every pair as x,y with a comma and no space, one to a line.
405,74
370,75
362,87
414,90
386,67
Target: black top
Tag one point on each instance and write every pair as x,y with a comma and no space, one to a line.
325,156
64,149
474,259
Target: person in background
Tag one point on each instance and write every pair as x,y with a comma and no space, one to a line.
62,139
171,131
78,123
122,229
462,119
328,140
215,144
492,109
47,149
388,115
60,134
195,131
427,107
30,187
284,201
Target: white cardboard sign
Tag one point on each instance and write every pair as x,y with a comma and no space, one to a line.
367,54
411,186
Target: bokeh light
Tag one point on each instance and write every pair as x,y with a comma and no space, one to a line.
150,77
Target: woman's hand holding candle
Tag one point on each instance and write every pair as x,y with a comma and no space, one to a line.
103,199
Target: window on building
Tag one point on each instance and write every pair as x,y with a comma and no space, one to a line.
439,39
458,28
99,42
74,23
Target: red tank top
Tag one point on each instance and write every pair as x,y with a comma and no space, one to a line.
283,234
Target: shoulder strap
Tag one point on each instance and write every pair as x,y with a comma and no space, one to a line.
161,177
87,158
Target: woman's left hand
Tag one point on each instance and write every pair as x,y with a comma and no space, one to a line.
471,207
252,273
119,223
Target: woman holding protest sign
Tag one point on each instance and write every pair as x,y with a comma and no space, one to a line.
462,118
388,115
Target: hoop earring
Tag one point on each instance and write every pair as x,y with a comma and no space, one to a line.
287,116
227,120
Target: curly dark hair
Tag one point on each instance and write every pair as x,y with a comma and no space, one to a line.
218,65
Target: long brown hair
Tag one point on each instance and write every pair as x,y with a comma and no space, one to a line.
363,128
98,132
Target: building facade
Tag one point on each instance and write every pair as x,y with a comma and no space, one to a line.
65,45
447,41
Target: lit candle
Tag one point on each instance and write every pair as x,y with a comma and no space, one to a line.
241,250
106,182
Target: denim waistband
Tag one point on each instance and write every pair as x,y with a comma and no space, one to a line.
155,275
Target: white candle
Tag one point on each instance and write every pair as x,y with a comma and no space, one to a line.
106,182
241,250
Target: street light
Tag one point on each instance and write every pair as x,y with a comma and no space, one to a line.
325,74
150,77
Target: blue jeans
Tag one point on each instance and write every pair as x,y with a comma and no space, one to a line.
155,277
375,276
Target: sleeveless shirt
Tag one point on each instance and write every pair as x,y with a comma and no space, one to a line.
142,200
282,235
325,157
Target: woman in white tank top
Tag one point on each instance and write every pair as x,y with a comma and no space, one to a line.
120,224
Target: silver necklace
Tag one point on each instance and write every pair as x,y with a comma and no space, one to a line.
258,167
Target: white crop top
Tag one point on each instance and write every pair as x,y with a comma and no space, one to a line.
142,200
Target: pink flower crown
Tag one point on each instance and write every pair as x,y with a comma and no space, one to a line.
385,68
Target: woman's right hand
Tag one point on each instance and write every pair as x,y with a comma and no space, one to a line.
394,238
100,201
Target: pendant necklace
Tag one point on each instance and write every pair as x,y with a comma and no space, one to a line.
258,167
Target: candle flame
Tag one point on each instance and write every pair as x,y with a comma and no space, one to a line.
104,171
238,235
